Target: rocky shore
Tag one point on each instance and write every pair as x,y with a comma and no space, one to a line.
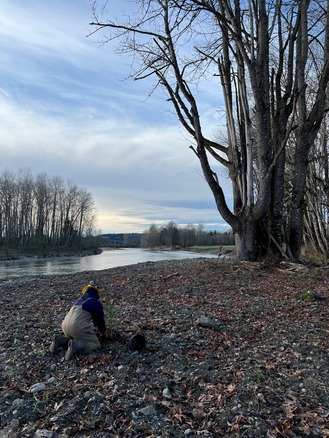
232,350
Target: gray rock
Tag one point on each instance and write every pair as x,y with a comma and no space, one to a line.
148,411
206,321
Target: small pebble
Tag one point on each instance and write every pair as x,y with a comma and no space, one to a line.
166,391
261,397
44,433
37,387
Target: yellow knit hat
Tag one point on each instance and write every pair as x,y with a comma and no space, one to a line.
92,285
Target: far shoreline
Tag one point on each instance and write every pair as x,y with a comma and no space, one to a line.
45,253
16,254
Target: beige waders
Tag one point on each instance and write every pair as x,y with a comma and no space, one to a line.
78,325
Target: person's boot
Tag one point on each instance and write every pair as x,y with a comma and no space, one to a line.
71,350
58,343
76,347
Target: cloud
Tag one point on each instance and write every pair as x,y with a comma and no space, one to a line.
66,110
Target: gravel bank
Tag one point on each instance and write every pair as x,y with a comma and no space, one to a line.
232,350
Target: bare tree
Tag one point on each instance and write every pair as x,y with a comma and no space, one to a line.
86,217
151,237
317,197
42,208
25,193
57,191
263,54
41,211
8,207
169,234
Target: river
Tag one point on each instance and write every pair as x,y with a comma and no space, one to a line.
106,260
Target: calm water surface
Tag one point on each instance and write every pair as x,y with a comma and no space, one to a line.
108,259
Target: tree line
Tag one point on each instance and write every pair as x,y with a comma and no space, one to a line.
41,211
172,235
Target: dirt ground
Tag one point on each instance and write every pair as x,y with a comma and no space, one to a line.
233,350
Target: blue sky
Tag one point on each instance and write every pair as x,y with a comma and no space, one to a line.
67,109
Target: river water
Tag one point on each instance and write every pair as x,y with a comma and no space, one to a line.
107,259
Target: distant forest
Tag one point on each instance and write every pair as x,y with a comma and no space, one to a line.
41,212
170,235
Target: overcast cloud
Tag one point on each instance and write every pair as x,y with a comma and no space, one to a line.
66,110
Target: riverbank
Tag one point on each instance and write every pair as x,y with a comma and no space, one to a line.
220,251
232,350
17,254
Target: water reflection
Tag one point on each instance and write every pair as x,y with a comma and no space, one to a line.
108,259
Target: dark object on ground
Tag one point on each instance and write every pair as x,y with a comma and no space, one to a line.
137,342
318,297
59,343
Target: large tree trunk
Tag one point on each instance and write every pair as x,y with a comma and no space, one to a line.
251,240
298,202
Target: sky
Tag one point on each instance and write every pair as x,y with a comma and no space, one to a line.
68,109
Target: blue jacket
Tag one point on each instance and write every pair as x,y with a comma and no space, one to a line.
90,303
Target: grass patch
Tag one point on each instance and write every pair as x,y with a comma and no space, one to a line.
111,320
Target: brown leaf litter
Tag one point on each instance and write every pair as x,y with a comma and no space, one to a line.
232,351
